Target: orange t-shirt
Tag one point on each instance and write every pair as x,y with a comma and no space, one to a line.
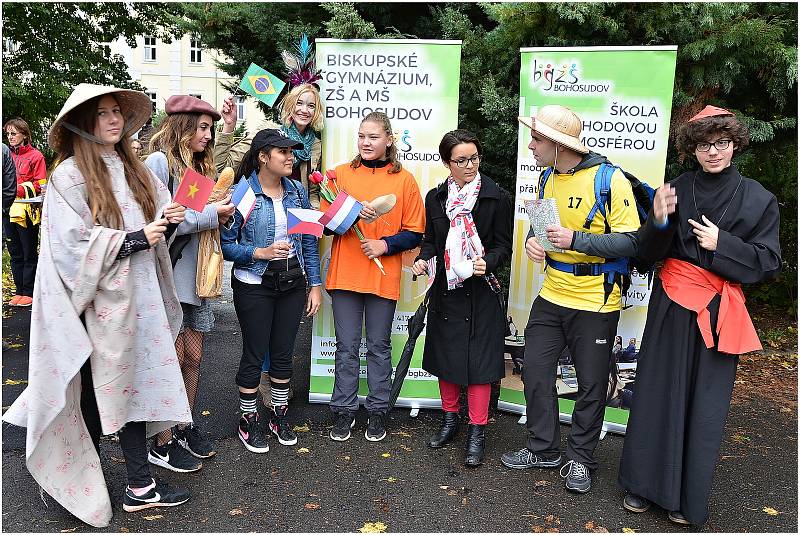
350,269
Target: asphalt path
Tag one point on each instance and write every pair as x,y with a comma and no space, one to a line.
397,485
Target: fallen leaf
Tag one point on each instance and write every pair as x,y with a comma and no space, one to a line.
770,511
303,450
124,530
373,527
552,519
15,382
589,526
204,519
452,492
235,512
628,530
537,529
552,530
386,455
391,479
444,487
403,434
117,460
464,500
404,447
301,428
346,457
311,506
205,413
69,530
542,483
153,517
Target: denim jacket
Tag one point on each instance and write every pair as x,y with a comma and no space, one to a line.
239,242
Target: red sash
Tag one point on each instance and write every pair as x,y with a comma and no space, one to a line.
693,288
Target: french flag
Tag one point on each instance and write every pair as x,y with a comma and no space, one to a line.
342,214
304,221
244,198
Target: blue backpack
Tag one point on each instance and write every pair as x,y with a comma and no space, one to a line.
616,270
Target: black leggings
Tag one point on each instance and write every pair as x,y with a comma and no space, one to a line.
132,437
269,319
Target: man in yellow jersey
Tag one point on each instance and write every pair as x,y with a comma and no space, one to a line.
578,306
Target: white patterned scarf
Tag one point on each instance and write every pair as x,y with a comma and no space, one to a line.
463,242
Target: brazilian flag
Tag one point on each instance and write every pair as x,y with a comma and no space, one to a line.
261,84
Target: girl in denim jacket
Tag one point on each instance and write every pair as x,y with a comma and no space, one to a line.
270,272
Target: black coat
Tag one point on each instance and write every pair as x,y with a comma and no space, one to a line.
466,326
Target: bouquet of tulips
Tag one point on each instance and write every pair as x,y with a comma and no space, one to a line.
327,186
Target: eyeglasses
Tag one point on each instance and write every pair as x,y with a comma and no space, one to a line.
462,162
720,144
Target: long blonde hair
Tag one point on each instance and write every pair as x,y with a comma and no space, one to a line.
380,118
89,160
290,101
173,138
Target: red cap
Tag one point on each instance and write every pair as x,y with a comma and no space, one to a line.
190,104
711,111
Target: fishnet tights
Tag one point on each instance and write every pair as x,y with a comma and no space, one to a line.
189,347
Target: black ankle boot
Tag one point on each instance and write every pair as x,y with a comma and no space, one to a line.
476,440
445,433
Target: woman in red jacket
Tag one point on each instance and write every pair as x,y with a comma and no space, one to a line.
21,225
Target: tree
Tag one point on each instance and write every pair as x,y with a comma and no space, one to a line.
742,56
62,45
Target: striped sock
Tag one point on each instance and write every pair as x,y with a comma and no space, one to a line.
247,401
280,393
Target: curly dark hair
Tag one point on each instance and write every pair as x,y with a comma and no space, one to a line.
692,133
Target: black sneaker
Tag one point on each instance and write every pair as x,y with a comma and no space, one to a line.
172,457
194,442
250,433
678,518
341,429
578,478
162,495
525,458
375,430
280,428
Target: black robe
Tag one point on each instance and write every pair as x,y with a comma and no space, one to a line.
464,338
683,389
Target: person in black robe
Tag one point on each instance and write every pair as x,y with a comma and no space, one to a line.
727,224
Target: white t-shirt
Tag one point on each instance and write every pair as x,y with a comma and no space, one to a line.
248,277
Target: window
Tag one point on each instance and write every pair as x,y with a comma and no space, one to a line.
149,48
195,50
240,109
152,95
196,95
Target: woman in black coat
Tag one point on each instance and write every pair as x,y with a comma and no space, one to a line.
467,239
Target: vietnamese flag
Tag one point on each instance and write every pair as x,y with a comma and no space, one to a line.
194,190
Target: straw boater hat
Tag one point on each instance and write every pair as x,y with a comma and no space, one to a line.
559,125
135,106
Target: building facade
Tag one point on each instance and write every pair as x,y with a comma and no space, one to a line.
183,67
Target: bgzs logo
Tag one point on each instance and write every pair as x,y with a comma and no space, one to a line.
551,75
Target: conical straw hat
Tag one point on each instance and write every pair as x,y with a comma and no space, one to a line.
135,106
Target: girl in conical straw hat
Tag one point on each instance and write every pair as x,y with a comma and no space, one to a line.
105,312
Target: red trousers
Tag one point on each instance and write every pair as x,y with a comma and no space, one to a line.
477,400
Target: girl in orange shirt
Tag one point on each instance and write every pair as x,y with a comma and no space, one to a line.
359,291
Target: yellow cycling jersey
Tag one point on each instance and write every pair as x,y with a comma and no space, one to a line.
574,195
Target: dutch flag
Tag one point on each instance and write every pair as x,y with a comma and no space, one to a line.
244,198
342,214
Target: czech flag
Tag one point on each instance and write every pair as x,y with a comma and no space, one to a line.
244,198
342,214
303,221
194,190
